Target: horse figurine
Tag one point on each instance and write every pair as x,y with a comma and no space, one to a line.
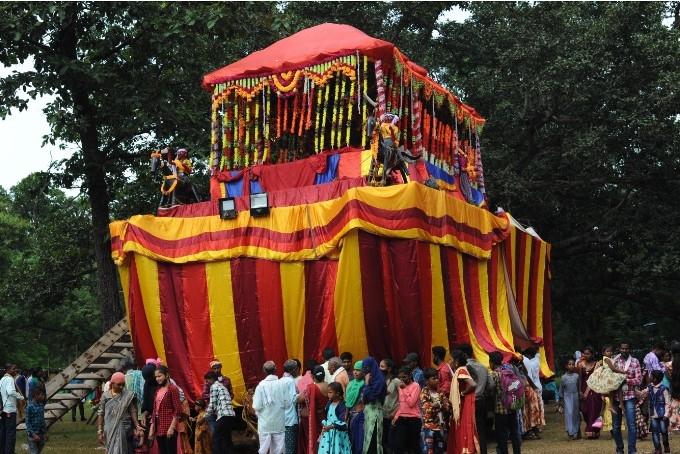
176,189
386,149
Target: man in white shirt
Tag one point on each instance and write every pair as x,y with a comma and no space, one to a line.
290,371
10,396
269,404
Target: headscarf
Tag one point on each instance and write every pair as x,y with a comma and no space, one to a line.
215,363
150,385
354,388
376,389
118,378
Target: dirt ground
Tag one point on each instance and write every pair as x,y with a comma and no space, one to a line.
67,437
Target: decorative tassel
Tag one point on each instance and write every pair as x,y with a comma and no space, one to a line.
380,83
279,115
310,105
256,139
286,108
363,104
303,104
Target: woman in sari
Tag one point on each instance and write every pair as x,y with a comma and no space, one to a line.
117,417
374,393
315,397
591,405
463,430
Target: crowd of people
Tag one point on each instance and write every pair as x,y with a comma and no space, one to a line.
343,406
618,387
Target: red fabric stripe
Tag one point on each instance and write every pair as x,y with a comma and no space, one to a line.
394,333
453,297
141,336
547,316
197,322
173,318
270,304
493,294
533,286
302,239
474,303
375,314
320,333
424,278
247,315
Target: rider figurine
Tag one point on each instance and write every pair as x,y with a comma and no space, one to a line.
183,164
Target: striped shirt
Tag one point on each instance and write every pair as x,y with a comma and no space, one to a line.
220,401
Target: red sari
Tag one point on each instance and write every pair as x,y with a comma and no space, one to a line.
463,430
315,401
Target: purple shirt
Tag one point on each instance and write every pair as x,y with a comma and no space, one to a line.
652,363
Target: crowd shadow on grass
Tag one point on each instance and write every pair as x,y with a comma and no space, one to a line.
67,437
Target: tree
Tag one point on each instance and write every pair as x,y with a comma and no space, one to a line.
125,78
582,142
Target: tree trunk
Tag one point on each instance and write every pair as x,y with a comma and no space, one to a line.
95,175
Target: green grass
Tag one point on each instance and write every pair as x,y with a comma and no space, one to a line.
68,437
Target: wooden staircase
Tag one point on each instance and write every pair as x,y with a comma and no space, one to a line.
94,367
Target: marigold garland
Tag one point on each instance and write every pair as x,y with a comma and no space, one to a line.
291,78
341,117
317,121
334,118
323,119
267,119
350,111
310,105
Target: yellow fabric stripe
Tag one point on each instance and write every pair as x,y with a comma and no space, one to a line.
366,157
328,249
483,279
147,273
223,324
513,259
293,218
293,296
348,299
477,350
502,308
540,286
440,334
525,283
124,276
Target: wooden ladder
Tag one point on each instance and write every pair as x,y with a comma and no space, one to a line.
94,367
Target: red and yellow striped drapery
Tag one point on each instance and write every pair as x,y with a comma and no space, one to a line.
383,271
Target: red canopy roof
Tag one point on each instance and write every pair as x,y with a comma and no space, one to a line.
307,47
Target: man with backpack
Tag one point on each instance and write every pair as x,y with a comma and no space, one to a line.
509,397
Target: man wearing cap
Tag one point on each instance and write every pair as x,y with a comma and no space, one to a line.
411,361
215,366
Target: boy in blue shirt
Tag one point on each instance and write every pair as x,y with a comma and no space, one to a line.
36,430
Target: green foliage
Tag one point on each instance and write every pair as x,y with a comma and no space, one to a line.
582,142
47,286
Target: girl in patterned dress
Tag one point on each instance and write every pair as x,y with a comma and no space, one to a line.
334,436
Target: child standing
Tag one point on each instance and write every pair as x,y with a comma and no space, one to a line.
570,398
407,419
334,437
36,430
435,405
659,409
202,439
